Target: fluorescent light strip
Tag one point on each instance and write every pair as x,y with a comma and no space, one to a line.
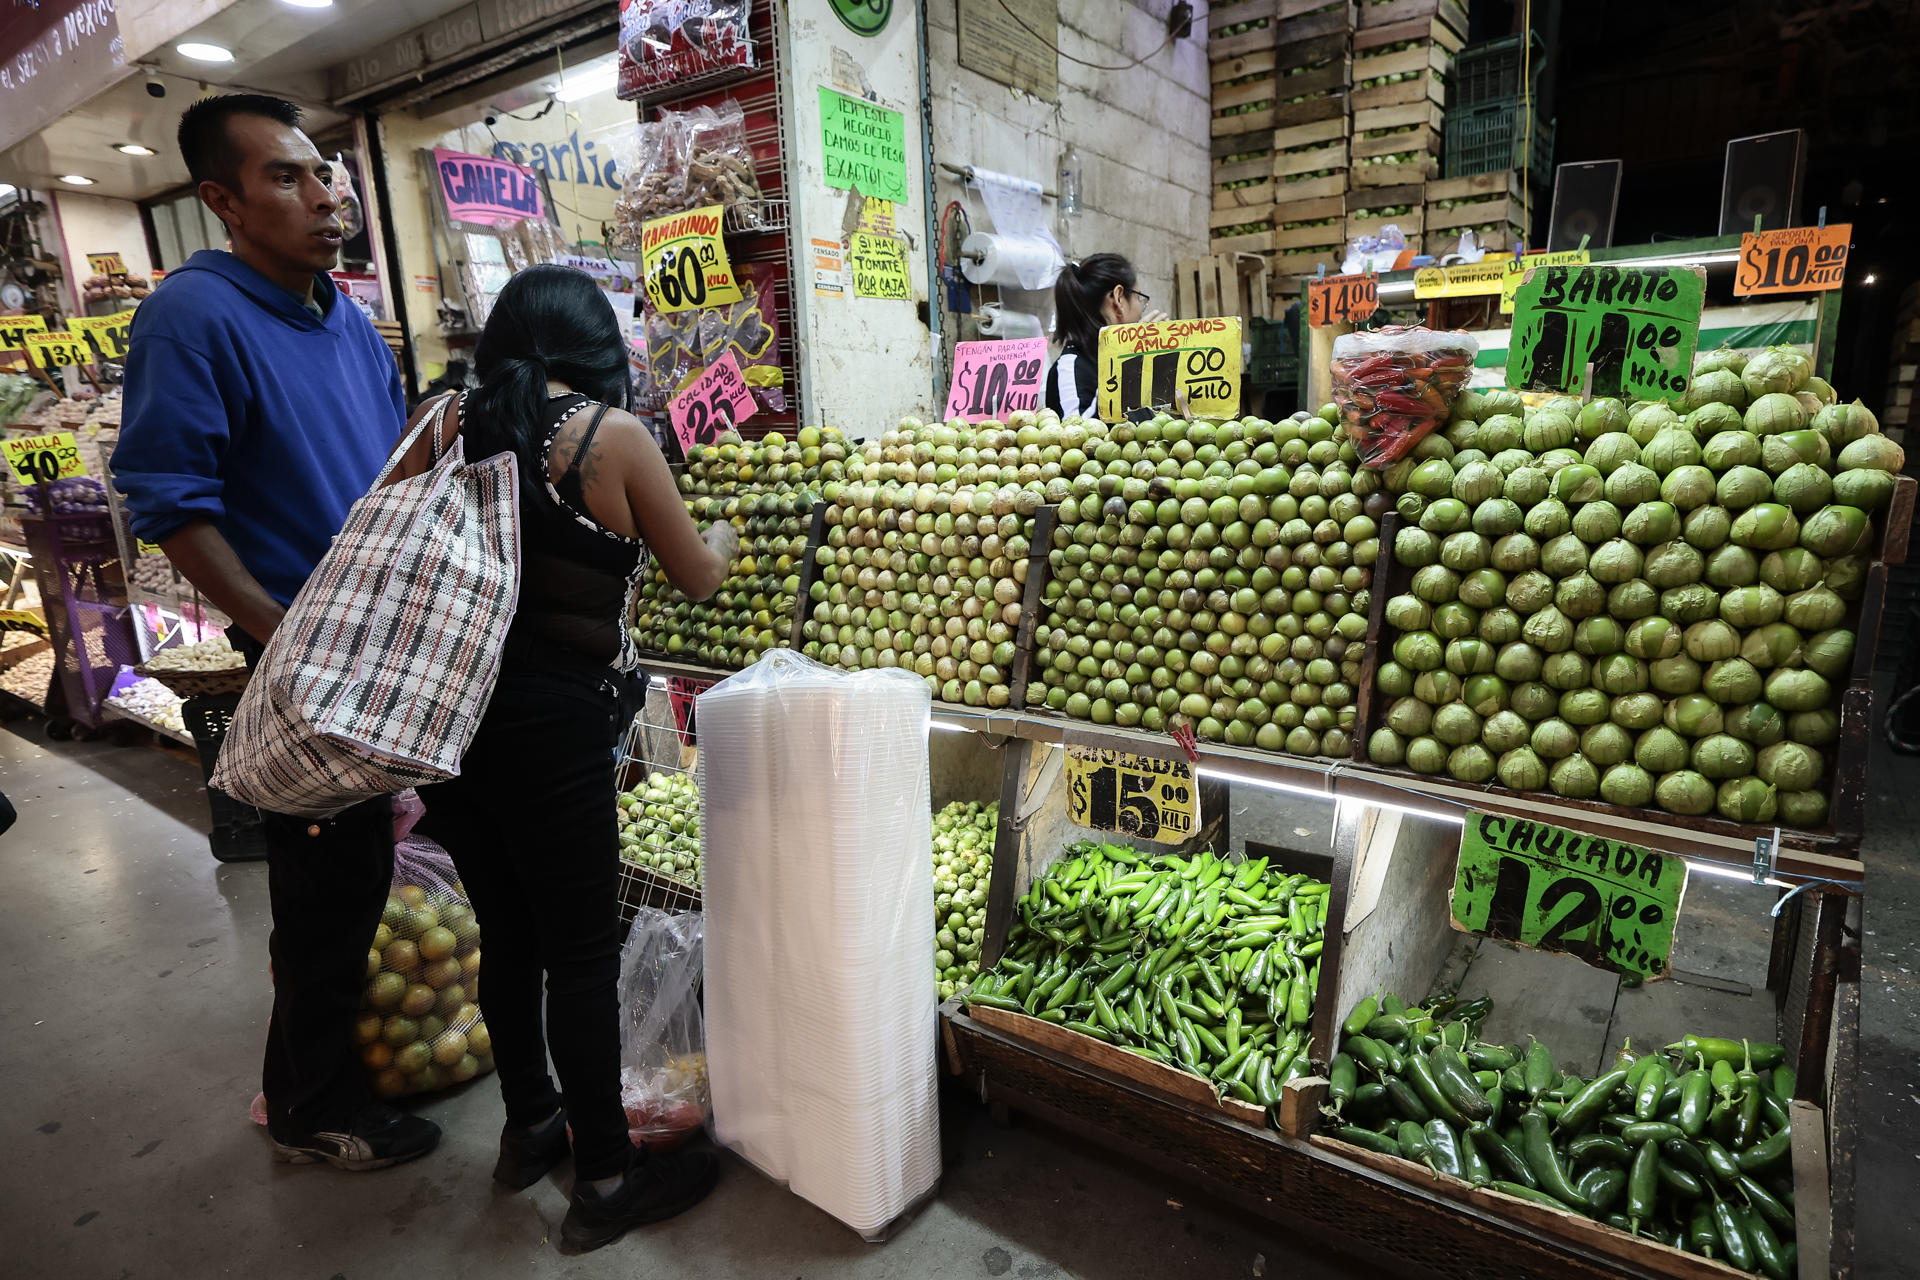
1394,289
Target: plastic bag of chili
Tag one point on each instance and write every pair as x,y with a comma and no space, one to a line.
1396,384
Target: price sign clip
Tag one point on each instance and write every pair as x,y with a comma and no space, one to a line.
1766,856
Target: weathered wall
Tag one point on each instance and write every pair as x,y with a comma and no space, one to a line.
1141,134
97,224
866,360
402,135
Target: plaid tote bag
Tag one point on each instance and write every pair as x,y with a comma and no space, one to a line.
377,677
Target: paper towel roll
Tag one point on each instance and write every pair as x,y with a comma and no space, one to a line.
1018,262
995,321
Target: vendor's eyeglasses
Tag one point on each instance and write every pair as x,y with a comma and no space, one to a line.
1144,299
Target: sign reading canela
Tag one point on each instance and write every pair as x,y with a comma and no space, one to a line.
1610,903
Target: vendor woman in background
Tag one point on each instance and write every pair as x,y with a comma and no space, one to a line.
1089,295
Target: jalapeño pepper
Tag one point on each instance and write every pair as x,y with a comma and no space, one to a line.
1545,1162
1499,1155
1643,1184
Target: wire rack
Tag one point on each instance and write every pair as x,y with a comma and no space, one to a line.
656,761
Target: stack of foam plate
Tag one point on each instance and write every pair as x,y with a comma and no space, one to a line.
821,1020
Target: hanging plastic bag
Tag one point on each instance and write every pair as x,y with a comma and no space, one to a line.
663,1047
1396,384
655,162
672,40
419,1028
720,165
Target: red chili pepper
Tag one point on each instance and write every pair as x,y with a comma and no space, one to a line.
1401,402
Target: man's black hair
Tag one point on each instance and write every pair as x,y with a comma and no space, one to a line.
204,141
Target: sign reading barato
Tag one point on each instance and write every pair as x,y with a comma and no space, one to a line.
1013,41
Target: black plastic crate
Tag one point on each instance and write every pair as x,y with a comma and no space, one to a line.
1275,360
239,834
1485,138
1490,71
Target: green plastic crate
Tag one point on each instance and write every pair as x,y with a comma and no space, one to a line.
1485,138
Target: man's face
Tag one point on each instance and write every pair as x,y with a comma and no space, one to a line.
283,209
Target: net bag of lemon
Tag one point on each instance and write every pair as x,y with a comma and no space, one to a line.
419,1027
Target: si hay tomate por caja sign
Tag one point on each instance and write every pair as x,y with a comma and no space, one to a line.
1609,903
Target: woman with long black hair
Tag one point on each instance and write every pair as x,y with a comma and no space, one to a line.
1089,295
529,821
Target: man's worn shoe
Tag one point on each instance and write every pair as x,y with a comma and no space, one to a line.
379,1136
656,1187
527,1152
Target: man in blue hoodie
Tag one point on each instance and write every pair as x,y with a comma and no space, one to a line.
260,404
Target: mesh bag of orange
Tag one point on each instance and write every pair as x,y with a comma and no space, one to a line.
419,1028
1396,384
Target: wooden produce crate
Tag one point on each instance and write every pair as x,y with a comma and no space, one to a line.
1430,65
1481,199
1847,780
1243,134
1376,173
1292,55
1246,193
1303,224
1306,262
1403,115
1321,157
1297,187
1449,13
1241,238
1224,284
1270,97
1325,20
1420,138
1433,29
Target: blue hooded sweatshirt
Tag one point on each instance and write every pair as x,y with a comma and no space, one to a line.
243,407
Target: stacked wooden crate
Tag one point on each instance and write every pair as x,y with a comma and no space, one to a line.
1903,367
1281,70
1494,206
1402,60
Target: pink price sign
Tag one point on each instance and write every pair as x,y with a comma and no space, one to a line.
993,379
716,402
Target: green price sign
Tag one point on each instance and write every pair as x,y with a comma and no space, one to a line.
863,17
1609,903
1632,330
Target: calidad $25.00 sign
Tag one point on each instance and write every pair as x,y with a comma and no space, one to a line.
1634,329
1143,796
1609,903
717,401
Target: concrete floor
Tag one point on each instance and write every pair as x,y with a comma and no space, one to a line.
135,1000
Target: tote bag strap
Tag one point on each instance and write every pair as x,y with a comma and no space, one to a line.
431,418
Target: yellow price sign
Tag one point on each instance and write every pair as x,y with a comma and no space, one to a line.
110,333
107,264
685,261
1516,270
21,620
1192,366
14,330
58,348
1462,280
45,458
1142,796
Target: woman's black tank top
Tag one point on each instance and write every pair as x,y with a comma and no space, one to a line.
576,575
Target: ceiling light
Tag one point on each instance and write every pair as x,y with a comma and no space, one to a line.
311,4
6,189
133,149
1870,278
203,52
76,179
584,84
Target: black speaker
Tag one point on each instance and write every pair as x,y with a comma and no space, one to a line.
1763,180
1585,197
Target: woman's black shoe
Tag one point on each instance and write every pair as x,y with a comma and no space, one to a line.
527,1152
656,1187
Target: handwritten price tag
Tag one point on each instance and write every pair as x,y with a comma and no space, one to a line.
1611,904
1341,300
109,333
107,264
1143,796
1145,366
14,331
44,459
716,402
993,379
1793,260
1634,328
685,261
59,348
